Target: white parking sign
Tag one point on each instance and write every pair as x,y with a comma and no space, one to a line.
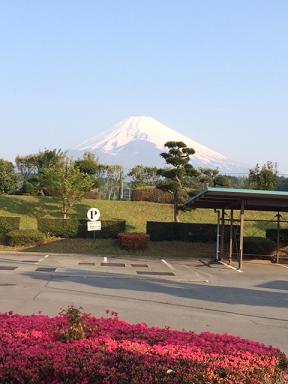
93,214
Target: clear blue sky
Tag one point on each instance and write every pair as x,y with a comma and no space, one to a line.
216,71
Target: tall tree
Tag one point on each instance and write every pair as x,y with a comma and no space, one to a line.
178,170
8,177
113,179
143,176
67,183
264,177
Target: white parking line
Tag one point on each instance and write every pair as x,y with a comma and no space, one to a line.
230,266
43,258
105,259
168,265
281,265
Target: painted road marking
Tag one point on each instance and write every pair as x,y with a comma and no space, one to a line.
43,258
230,266
168,265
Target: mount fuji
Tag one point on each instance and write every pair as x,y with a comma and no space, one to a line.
140,140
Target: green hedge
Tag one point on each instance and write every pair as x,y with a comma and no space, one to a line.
59,227
78,228
272,235
258,246
160,231
193,232
8,224
25,237
109,229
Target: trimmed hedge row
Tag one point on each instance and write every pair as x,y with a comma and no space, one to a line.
8,224
78,228
272,235
155,195
24,237
194,232
258,246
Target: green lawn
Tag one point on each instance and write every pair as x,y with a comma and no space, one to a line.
136,214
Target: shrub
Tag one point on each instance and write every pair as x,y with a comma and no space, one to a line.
133,241
258,246
8,224
24,237
272,235
58,227
152,194
113,351
27,188
78,228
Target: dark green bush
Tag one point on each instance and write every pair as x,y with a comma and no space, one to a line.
109,229
272,235
27,188
25,237
8,224
258,246
194,232
59,227
78,228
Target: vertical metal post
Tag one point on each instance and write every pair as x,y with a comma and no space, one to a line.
241,234
222,234
231,236
218,236
278,237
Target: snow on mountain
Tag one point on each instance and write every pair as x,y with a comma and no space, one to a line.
140,140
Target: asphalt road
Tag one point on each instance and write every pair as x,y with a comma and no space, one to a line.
183,294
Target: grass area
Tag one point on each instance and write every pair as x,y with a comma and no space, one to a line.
136,214
109,247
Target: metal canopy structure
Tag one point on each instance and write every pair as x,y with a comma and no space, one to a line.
222,199
229,198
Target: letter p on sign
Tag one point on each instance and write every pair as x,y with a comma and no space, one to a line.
93,214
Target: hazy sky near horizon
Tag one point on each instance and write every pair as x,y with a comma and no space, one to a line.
215,71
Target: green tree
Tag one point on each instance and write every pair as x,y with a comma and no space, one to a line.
8,177
142,176
211,177
112,176
177,172
67,183
264,177
89,165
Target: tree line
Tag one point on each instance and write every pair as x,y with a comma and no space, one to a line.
53,173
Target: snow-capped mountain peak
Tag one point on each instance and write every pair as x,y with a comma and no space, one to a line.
140,140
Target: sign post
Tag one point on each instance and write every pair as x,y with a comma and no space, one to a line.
93,215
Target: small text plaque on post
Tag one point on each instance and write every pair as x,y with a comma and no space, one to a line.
94,226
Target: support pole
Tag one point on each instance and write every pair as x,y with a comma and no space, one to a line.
218,237
278,237
222,234
231,237
241,234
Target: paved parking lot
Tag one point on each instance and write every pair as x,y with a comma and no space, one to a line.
182,293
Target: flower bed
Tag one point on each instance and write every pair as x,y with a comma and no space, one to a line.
84,349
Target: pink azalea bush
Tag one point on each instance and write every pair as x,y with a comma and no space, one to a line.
78,348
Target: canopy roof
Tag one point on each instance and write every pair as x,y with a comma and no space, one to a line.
229,198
